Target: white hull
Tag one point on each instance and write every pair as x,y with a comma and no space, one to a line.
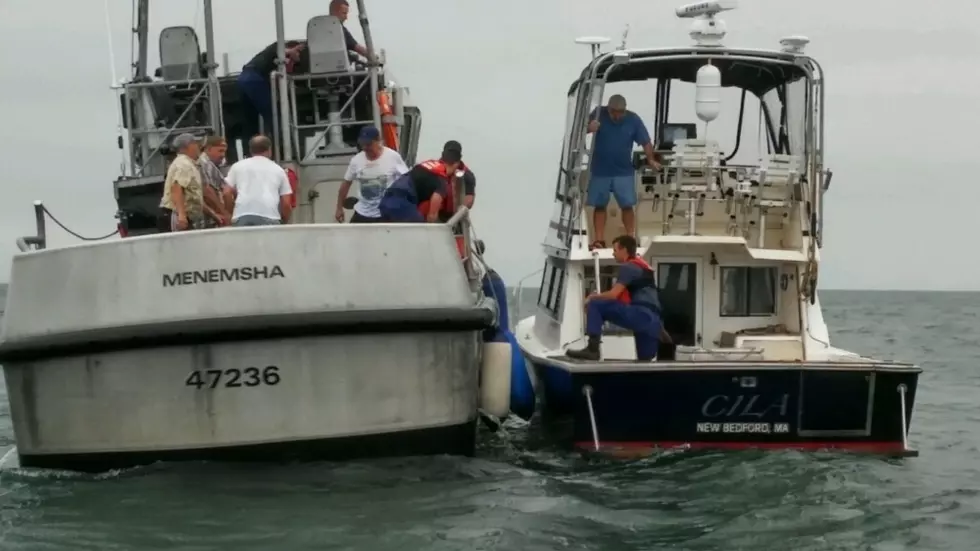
114,348
310,388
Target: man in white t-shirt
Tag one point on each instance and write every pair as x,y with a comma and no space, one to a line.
374,169
259,187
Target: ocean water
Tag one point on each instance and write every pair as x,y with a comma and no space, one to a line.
522,493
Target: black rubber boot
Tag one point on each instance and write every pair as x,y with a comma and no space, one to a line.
590,352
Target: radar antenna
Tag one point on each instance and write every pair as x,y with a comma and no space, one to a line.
595,42
706,30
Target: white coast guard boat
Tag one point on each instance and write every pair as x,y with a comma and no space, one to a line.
305,341
734,236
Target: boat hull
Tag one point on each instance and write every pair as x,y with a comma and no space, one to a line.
314,397
717,405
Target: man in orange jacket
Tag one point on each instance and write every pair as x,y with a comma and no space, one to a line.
632,303
453,150
427,182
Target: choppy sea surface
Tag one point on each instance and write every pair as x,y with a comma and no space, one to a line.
522,493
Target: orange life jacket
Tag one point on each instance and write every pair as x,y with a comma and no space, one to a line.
439,169
389,129
648,280
293,185
436,167
449,203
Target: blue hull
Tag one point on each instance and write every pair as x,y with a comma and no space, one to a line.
725,405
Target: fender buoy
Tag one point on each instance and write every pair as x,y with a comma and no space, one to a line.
505,384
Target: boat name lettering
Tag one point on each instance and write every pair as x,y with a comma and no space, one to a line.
741,428
233,378
744,405
221,275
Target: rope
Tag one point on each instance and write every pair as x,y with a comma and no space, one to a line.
82,237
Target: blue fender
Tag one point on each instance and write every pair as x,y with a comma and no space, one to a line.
521,388
522,398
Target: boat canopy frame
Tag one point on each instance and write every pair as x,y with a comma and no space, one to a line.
751,70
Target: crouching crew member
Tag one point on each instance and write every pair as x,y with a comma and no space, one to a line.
632,303
426,181
453,150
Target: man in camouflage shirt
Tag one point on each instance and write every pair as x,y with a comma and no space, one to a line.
183,192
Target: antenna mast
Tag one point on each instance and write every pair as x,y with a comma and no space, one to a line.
626,32
115,82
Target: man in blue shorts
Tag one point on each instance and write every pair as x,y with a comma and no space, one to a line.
616,130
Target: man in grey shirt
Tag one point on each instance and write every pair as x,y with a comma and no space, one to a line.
217,209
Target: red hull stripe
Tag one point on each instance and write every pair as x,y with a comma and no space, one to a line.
888,448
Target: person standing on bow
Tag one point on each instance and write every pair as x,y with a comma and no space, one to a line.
425,182
374,169
616,130
183,189
632,303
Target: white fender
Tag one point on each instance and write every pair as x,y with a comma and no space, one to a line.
495,379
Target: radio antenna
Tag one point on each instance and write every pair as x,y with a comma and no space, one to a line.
626,32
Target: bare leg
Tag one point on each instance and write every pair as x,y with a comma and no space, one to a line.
629,220
599,221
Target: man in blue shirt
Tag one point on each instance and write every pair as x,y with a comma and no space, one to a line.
616,130
632,303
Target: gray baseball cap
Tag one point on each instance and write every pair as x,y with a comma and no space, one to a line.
184,140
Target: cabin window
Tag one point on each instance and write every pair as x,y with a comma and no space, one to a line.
552,286
748,291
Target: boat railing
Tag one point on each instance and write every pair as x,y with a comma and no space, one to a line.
462,218
40,240
328,126
143,130
517,292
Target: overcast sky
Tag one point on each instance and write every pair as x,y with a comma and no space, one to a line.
902,111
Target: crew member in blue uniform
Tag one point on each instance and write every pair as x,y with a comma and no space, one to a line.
427,182
632,303
254,85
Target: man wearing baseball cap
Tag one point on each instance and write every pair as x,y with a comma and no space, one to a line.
426,183
374,169
453,150
183,189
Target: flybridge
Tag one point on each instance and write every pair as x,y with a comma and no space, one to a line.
222,275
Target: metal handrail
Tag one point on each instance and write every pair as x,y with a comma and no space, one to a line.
462,216
326,129
517,293
579,145
39,241
156,151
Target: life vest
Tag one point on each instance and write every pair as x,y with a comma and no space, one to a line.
389,127
293,185
436,167
449,203
646,281
439,169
